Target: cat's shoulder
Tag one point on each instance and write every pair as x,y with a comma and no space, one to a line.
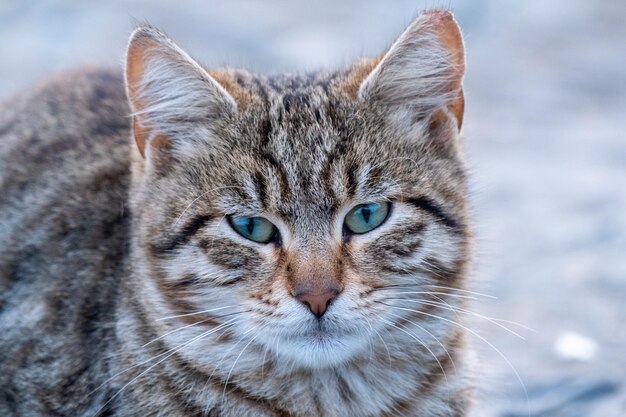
65,101
64,176
64,151
80,114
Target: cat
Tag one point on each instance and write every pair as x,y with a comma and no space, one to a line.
177,241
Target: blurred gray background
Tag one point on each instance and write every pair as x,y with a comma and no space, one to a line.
544,133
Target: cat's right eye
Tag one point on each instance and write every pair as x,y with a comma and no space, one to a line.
256,229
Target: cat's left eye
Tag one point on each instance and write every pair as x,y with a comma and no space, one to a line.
257,229
366,217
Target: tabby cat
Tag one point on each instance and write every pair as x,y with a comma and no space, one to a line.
192,242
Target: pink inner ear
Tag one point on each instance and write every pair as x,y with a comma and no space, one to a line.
451,39
140,42
140,135
438,17
135,66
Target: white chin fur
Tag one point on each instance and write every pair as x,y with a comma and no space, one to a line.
319,350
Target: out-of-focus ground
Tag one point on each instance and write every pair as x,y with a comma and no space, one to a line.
544,132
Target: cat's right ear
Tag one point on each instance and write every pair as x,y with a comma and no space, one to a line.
174,101
422,72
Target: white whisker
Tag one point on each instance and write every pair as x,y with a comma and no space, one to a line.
235,363
173,351
467,297
480,294
175,330
461,310
198,198
414,336
194,313
508,362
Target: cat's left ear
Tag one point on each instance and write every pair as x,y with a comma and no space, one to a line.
173,99
423,70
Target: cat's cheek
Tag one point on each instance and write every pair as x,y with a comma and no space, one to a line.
440,247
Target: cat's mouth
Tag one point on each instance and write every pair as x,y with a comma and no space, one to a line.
320,336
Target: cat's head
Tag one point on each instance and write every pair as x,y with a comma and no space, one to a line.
309,217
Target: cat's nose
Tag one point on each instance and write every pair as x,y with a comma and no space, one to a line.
317,302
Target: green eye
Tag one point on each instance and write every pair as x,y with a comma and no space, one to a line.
366,217
256,229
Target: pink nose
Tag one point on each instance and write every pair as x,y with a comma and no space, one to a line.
317,302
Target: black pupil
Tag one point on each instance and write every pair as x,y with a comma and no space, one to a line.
365,212
250,226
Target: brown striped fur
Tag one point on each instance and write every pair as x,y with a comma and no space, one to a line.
124,291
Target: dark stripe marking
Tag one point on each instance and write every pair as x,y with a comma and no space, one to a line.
428,205
260,185
352,181
282,174
182,237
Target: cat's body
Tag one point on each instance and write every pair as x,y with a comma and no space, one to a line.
65,240
125,292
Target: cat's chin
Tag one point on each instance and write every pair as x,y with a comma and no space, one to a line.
320,349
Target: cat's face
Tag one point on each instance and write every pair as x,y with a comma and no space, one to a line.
304,222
